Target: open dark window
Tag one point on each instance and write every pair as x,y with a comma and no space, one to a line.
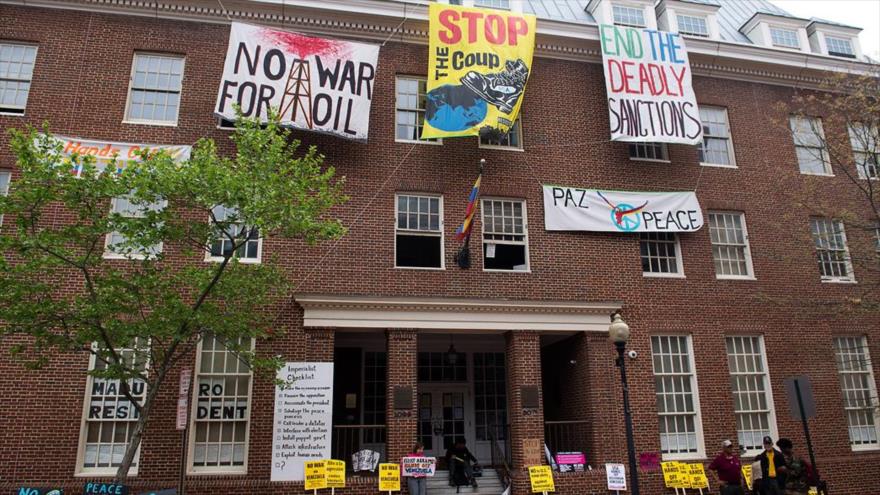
505,235
418,239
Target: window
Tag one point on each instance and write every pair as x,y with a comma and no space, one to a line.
693,25
493,4
865,140
511,140
375,371
859,391
877,234
661,254
222,245
717,147
809,142
219,433
118,245
411,103
505,235
730,245
785,38
418,241
437,367
490,395
831,250
677,398
840,47
109,419
628,16
5,176
648,151
750,384
16,72
154,97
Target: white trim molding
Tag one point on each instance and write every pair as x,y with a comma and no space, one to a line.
454,314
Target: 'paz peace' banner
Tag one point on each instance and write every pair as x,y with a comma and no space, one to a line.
648,81
574,208
478,65
315,84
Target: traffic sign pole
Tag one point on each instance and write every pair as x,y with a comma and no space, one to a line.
797,389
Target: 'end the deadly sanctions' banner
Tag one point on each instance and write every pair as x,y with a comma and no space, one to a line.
573,208
315,84
478,65
648,80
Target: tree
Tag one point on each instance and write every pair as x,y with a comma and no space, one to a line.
142,312
845,142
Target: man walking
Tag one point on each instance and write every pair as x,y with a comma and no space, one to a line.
729,469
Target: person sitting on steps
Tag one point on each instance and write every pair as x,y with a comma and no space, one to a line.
459,459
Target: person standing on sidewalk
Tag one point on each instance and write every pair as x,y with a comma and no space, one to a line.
417,484
773,468
729,469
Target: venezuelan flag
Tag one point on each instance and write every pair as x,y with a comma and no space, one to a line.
464,230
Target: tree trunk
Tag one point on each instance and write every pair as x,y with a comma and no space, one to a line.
137,435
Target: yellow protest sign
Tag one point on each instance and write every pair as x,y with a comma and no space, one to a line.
813,491
335,473
542,479
747,474
675,475
697,476
478,65
389,477
316,475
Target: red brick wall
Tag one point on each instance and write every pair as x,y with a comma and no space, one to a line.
80,87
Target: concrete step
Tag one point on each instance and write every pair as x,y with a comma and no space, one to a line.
488,484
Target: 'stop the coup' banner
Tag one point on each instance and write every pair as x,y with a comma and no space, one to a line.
315,84
648,80
478,65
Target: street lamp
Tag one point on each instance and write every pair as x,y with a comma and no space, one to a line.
618,333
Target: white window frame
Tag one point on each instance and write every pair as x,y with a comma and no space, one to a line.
165,123
695,390
877,240
781,29
679,273
872,389
110,254
191,468
768,390
15,109
850,277
417,111
81,470
704,19
629,9
516,129
747,252
524,242
210,257
493,4
858,135
422,232
5,180
728,138
815,126
842,40
664,152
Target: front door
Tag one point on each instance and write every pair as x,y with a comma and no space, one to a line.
445,414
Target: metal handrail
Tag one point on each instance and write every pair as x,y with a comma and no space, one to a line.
503,468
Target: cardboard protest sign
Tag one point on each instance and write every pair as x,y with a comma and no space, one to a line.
389,477
697,476
315,84
648,81
541,478
316,475
335,473
615,474
478,65
106,152
674,475
418,466
747,474
574,208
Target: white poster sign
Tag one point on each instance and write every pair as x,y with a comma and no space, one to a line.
303,419
105,152
616,475
315,84
418,466
575,208
648,84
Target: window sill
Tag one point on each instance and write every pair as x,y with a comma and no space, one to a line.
497,270
839,281
650,160
429,268
419,141
731,277
103,474
15,114
662,275
693,456
130,257
150,122
717,165
815,174
500,148
243,261
191,472
865,448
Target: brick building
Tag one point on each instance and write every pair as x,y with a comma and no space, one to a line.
719,317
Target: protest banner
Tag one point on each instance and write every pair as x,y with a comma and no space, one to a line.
541,478
674,475
418,466
27,490
648,84
335,473
315,84
573,208
615,474
697,476
389,477
478,65
315,475
93,488
106,152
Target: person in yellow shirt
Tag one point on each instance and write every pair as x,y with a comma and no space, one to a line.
773,469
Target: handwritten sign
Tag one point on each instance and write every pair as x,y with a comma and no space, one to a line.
316,475
335,473
648,81
418,466
389,477
616,476
26,490
303,418
92,488
107,152
532,451
541,478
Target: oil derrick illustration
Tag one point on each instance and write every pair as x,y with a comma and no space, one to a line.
298,92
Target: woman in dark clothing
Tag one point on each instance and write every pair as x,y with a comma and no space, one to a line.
459,460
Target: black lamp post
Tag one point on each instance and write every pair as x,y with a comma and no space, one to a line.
618,333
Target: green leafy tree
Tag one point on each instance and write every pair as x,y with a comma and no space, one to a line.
140,310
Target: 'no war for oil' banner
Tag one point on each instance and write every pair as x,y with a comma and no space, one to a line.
648,81
315,84
572,208
478,65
